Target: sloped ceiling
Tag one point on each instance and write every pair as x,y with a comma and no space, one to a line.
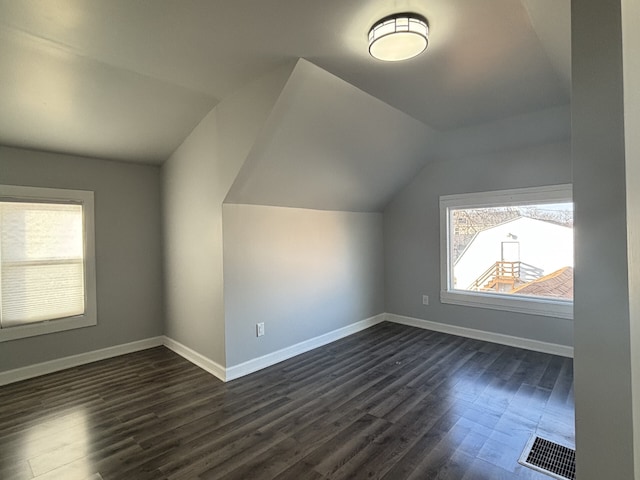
328,145
129,80
551,125
551,21
54,100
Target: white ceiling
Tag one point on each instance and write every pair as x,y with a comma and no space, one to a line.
129,80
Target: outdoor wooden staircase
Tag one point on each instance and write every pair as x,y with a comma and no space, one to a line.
505,276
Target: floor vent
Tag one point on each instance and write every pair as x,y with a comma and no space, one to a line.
550,458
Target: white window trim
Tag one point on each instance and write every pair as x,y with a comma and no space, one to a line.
510,303
89,318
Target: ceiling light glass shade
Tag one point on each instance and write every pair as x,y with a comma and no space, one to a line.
399,37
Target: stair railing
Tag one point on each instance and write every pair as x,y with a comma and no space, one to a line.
508,272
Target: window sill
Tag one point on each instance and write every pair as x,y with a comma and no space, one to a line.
50,326
531,306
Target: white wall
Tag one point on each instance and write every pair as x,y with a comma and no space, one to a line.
196,180
412,238
128,251
302,272
193,243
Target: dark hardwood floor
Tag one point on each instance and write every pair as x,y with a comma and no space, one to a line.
391,402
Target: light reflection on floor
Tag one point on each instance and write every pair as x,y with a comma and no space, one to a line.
57,446
504,417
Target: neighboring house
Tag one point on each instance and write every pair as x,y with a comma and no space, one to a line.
540,245
558,284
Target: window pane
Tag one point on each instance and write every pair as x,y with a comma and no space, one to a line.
41,231
42,262
518,250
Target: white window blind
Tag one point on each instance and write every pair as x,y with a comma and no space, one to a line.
41,262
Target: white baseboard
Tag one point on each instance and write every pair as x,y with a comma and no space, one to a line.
196,358
528,344
51,366
253,365
278,356
214,368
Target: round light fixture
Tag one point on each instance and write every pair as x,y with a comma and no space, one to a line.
399,37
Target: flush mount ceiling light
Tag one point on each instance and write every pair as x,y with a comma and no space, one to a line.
399,37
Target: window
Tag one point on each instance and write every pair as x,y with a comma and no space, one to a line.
47,261
509,250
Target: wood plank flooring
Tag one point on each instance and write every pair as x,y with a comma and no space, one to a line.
392,402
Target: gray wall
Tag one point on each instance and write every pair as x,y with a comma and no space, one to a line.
301,272
195,181
631,60
604,260
412,238
128,251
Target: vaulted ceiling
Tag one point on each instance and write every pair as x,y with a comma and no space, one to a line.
128,80
327,145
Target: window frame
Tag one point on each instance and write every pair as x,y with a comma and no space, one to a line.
58,195
521,304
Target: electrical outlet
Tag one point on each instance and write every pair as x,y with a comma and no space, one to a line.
425,299
259,329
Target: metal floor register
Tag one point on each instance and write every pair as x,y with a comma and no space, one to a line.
550,458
